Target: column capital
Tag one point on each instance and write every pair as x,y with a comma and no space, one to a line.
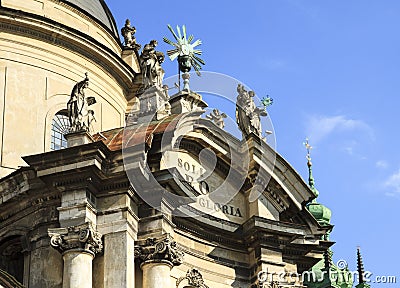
81,237
158,250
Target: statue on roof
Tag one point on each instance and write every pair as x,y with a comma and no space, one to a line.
217,117
150,65
80,117
247,113
128,33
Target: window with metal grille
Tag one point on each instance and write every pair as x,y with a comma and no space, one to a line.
59,127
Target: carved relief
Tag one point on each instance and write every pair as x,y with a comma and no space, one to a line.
194,279
159,250
76,237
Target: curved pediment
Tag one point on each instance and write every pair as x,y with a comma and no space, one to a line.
210,171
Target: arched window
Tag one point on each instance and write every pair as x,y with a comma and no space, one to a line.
59,127
11,257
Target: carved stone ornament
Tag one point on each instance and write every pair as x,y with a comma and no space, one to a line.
194,278
247,113
82,237
217,117
159,250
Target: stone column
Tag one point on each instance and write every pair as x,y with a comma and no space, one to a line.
78,245
157,257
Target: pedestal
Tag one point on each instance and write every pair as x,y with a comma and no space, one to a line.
153,104
185,101
77,269
130,57
78,138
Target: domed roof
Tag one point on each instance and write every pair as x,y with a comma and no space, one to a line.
320,212
98,10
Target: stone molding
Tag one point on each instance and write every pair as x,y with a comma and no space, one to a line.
158,250
82,237
44,32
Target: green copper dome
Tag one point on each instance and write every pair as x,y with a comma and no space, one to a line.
324,274
320,212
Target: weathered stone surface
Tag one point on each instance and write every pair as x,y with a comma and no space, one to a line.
119,260
157,250
82,238
41,259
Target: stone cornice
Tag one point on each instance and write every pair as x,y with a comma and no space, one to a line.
82,237
91,160
283,172
18,184
159,250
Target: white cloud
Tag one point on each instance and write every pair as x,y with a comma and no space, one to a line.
349,150
382,164
319,127
350,146
393,183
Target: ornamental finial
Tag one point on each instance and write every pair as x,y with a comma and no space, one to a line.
362,282
186,53
311,181
360,267
308,147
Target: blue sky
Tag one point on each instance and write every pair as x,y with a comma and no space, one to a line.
332,68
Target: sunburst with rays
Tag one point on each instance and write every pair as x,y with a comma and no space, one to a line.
185,50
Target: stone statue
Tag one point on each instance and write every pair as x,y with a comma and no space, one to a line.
217,117
150,65
247,113
128,33
80,117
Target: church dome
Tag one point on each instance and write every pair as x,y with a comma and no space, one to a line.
98,10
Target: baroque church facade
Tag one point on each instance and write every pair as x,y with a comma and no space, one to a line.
113,181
